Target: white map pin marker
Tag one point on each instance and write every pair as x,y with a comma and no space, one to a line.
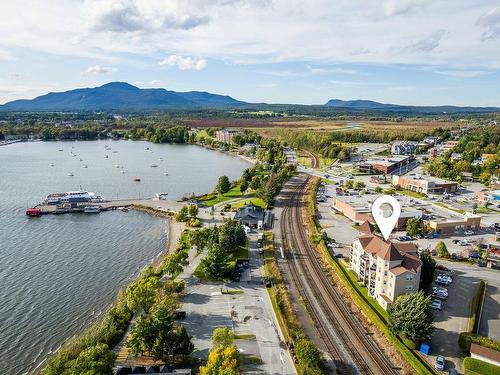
386,224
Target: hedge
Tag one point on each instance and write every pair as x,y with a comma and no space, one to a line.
420,366
466,339
474,366
475,307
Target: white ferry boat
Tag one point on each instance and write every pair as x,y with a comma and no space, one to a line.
73,197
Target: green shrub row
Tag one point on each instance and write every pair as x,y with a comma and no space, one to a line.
420,366
475,307
467,338
474,366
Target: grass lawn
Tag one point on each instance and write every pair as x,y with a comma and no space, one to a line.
412,194
214,198
305,160
256,201
457,210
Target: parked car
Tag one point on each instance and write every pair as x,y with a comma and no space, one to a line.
444,279
440,290
436,305
434,252
439,365
464,243
338,256
469,232
333,245
474,255
268,283
481,263
261,252
439,295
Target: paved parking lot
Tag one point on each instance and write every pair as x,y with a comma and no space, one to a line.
249,312
454,318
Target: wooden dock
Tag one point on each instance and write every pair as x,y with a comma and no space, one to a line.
164,205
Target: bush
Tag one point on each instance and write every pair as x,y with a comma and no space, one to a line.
474,366
466,339
476,306
309,358
194,223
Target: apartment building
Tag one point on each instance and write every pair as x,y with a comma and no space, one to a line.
425,185
225,136
387,269
404,148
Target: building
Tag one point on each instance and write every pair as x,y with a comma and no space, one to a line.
395,164
425,185
485,354
489,196
387,269
430,140
225,136
254,216
455,224
359,208
404,148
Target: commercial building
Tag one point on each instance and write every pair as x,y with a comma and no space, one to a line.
254,217
359,208
404,148
489,195
225,136
454,224
387,269
395,164
425,185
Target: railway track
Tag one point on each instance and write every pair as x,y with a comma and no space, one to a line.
352,348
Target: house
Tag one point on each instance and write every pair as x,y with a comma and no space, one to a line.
485,354
388,269
254,216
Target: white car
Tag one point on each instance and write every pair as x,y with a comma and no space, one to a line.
463,243
469,232
333,245
441,290
436,305
444,279
439,363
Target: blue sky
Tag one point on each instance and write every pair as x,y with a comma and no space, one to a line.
419,52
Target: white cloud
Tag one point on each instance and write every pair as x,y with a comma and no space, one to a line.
98,69
184,63
491,21
316,70
464,73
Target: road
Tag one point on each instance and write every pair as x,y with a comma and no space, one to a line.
348,342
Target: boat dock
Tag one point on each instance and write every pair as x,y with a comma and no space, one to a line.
155,203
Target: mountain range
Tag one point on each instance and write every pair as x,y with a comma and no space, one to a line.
122,96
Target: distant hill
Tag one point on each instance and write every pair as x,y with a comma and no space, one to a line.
120,96
370,105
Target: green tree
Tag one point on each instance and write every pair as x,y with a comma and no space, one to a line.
349,184
231,235
180,343
358,185
215,263
378,189
174,263
163,321
222,336
223,185
441,249
428,269
255,183
183,214
309,357
410,316
200,238
96,360
244,186
413,226
222,361
142,336
141,294
193,210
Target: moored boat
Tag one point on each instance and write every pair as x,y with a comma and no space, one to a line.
137,179
92,209
33,211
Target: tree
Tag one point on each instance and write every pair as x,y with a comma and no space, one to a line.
199,238
215,263
410,316
141,294
231,235
142,336
222,361
441,249
255,183
349,184
182,215
96,360
309,357
358,185
222,337
193,210
223,185
174,263
413,226
163,321
427,271
244,186
181,342
378,189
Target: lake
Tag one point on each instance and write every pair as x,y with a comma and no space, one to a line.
58,273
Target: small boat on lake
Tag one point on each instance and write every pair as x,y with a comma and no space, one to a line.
117,166
137,179
51,164
84,166
34,211
70,174
92,209
154,166
161,196
106,156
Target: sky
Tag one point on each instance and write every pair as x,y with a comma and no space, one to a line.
419,52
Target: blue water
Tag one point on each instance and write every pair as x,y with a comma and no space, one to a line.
59,272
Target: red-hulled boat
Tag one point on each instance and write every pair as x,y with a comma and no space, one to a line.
33,211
